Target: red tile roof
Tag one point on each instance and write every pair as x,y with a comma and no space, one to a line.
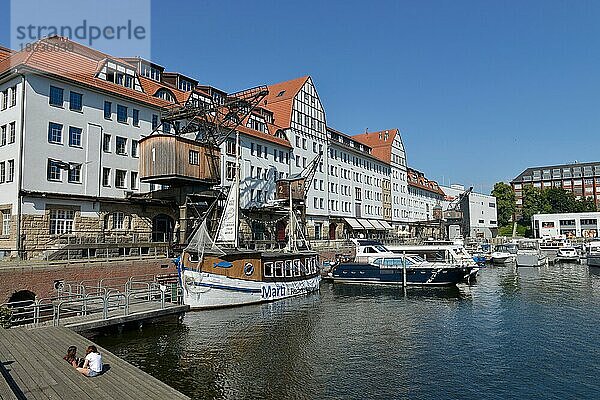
417,179
280,100
4,52
80,65
380,142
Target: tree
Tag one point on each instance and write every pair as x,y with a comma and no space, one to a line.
560,200
505,202
534,202
586,204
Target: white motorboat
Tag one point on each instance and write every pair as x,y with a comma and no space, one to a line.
567,254
504,253
593,254
529,254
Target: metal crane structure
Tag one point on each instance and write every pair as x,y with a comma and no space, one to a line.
456,212
200,127
295,189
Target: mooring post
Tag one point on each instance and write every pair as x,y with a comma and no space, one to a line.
404,268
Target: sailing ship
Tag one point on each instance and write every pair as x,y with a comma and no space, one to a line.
218,273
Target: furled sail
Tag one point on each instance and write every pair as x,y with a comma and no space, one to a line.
227,233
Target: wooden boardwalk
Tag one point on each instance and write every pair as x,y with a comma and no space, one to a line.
137,313
32,367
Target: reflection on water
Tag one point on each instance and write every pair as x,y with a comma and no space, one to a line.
516,333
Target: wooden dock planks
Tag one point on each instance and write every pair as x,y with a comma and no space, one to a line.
33,361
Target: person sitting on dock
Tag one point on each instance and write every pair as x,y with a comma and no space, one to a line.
92,365
71,356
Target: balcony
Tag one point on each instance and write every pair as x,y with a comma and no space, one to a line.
173,160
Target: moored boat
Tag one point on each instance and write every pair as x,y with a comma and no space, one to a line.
529,254
593,254
567,254
375,263
218,273
504,253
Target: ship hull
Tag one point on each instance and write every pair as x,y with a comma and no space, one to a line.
367,273
204,290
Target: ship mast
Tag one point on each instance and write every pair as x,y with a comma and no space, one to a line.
236,240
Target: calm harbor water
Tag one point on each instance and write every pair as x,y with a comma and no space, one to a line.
516,333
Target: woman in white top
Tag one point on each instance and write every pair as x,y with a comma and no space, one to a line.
92,365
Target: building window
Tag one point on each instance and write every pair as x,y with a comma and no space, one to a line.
154,121
13,96
229,170
53,170
10,170
5,223
4,99
134,180
121,113
12,133
2,172
230,147
56,96
107,110
3,135
166,127
121,145
194,157
120,178
134,148
106,177
118,219
136,117
74,136
55,133
61,221
75,101
106,143
75,173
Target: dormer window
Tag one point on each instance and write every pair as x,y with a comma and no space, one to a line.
150,72
120,75
165,95
184,86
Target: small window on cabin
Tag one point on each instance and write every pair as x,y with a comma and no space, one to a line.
288,267
269,269
279,269
280,93
370,250
296,268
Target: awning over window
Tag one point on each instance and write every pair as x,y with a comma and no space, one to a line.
365,223
354,223
377,224
386,225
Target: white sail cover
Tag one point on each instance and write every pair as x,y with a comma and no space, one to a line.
228,226
201,242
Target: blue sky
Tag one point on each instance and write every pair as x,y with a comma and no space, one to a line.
479,89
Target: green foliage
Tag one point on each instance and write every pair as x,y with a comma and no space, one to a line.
507,230
505,203
534,202
552,200
5,317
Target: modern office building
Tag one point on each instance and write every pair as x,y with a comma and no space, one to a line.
583,179
571,225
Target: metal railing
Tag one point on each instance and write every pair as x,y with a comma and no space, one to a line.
83,300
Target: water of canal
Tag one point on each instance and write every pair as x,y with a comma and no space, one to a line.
515,333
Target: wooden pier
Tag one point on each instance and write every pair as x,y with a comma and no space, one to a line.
32,367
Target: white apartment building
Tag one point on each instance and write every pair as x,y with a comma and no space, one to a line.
359,189
71,154
424,196
480,214
571,225
71,157
299,114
